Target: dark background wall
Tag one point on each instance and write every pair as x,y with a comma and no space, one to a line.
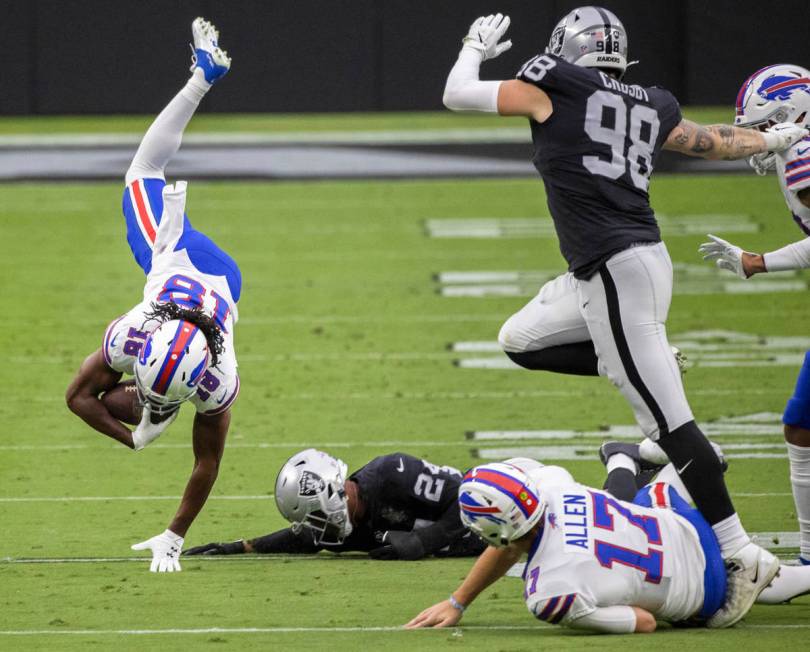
110,56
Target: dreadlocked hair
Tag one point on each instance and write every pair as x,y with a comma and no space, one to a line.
163,312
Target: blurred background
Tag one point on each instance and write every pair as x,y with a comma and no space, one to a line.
102,56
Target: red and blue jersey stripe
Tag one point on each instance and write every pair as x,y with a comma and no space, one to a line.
551,613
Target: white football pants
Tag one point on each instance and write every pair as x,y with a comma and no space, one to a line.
623,309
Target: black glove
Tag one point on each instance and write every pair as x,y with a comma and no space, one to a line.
399,545
235,548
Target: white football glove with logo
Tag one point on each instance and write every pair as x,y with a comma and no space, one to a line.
485,33
147,431
724,254
166,548
779,137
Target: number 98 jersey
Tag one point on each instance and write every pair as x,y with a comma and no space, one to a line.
596,551
596,153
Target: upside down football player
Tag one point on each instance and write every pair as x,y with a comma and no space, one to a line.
395,507
595,562
781,93
596,141
178,342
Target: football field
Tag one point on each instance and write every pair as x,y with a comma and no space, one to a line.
368,324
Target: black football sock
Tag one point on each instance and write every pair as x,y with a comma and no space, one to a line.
700,470
621,483
578,359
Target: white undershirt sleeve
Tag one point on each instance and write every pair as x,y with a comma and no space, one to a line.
608,620
793,256
464,91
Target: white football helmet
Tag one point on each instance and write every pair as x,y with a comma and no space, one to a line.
171,364
592,37
499,503
774,94
310,494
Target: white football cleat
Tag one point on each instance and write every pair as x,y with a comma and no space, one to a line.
206,53
749,571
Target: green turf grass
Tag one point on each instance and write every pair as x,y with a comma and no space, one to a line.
342,344
281,122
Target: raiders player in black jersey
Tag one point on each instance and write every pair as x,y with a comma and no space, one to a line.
596,140
395,507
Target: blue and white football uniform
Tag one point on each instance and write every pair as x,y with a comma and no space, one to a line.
595,551
182,266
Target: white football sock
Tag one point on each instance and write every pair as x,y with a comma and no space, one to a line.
792,581
730,535
163,138
621,461
799,457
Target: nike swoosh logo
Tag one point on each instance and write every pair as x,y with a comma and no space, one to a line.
684,467
401,466
222,398
802,152
756,574
112,341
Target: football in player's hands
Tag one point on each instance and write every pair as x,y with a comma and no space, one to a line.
122,402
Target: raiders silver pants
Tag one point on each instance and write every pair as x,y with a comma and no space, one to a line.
623,310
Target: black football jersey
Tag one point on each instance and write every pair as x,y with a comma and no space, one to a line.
595,154
398,491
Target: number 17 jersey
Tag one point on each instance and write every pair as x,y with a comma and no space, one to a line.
595,154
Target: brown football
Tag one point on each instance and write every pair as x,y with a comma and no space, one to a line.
122,402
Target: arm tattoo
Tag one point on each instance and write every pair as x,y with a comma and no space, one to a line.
703,141
735,143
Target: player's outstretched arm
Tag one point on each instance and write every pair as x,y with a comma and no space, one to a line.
745,264
94,378
489,567
730,143
209,434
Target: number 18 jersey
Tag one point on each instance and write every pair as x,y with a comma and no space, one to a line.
595,154
597,551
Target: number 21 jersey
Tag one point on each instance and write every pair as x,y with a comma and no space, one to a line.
595,154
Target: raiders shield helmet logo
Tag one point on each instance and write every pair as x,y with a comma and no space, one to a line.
310,484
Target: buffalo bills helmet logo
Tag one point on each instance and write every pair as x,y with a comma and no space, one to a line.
781,87
310,484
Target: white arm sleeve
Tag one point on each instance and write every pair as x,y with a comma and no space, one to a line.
609,620
793,256
464,91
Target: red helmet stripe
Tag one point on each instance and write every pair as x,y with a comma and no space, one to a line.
517,491
185,333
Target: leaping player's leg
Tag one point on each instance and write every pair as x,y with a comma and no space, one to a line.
145,178
549,333
797,439
625,306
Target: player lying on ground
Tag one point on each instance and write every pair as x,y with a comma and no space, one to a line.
594,562
596,140
630,467
781,93
178,342
395,507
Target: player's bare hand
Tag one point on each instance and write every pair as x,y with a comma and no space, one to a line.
441,614
485,34
779,137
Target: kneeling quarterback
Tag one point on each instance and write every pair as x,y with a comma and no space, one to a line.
178,341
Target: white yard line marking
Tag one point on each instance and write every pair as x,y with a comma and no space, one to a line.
301,630
543,227
587,452
94,499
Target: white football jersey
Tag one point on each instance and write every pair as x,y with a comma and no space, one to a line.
597,551
174,278
793,170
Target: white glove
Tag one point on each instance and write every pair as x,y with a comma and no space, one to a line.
147,432
726,255
761,163
484,35
779,137
165,549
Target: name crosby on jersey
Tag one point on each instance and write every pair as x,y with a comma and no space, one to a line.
575,520
634,91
